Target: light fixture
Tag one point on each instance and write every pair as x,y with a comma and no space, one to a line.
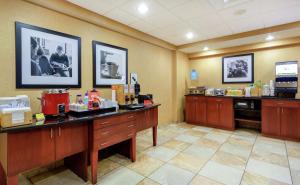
226,1
189,35
143,8
205,48
269,38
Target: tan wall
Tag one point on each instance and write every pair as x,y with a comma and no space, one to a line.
210,69
153,64
181,62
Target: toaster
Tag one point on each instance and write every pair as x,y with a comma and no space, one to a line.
55,102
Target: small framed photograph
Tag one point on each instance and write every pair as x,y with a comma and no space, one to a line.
238,69
110,65
46,58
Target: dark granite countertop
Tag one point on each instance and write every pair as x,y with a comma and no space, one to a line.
252,97
68,119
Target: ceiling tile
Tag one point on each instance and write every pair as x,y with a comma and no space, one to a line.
142,26
162,20
100,7
171,3
193,9
240,25
271,5
221,4
121,16
131,7
282,16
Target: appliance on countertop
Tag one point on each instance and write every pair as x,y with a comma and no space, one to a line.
197,90
55,102
220,92
286,80
210,92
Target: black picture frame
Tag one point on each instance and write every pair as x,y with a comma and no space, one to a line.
18,44
251,80
94,45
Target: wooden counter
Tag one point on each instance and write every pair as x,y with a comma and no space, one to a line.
72,139
280,118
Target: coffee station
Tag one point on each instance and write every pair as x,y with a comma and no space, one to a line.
272,108
89,127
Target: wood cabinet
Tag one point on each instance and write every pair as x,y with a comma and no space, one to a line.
27,150
35,148
281,118
210,111
71,140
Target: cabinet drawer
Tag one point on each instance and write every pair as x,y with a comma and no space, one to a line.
112,120
113,139
281,103
108,132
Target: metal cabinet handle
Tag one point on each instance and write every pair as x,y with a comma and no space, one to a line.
59,131
282,110
130,126
102,144
105,133
130,117
129,135
51,133
105,122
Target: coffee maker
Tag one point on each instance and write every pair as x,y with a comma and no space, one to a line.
286,81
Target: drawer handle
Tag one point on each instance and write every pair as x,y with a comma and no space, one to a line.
280,103
129,135
102,144
130,117
105,133
130,126
105,122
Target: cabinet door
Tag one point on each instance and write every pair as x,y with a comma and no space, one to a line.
200,110
30,149
290,122
226,118
71,140
190,109
212,111
270,118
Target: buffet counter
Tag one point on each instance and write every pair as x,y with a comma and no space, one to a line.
72,139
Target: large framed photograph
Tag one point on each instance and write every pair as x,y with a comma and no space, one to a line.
46,58
110,65
238,69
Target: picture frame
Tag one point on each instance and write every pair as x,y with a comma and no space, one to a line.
238,69
46,58
110,65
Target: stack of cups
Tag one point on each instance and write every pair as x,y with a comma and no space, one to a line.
272,88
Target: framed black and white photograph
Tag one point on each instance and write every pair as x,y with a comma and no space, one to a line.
46,58
110,65
238,69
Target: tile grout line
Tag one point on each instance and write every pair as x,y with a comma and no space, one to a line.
287,155
248,159
197,173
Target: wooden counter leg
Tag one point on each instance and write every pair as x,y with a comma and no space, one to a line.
154,132
94,166
14,180
78,164
133,149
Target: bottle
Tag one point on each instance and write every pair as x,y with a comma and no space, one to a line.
86,99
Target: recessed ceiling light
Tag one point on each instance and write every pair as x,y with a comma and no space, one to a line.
205,48
189,35
225,1
143,8
269,38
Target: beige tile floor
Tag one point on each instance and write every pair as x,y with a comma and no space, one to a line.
196,155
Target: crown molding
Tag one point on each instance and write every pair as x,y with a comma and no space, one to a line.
243,35
294,41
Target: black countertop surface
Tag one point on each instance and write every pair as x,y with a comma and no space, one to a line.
68,119
252,97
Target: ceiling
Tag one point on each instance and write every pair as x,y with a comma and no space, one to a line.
170,20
